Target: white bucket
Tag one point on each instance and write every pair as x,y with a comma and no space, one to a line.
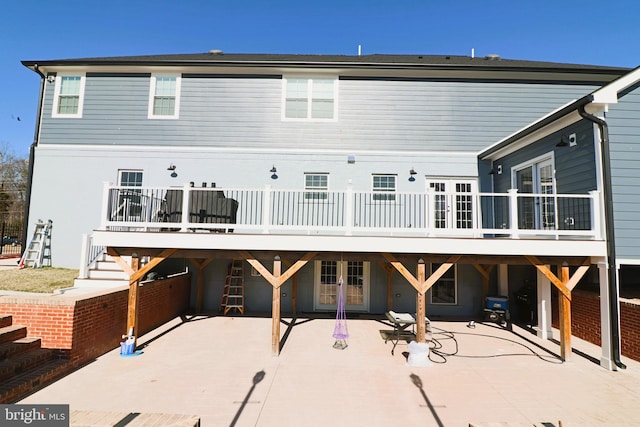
418,354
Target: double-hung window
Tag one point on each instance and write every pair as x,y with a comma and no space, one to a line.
164,96
310,98
384,187
316,186
68,95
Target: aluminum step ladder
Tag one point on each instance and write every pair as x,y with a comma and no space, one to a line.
233,291
38,253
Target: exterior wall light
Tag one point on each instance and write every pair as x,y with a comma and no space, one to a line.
496,171
412,175
273,171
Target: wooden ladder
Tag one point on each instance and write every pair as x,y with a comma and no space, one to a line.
233,291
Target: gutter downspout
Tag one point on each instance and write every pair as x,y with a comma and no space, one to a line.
610,230
32,155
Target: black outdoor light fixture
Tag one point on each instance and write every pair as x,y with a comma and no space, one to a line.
412,175
567,140
172,168
273,171
496,171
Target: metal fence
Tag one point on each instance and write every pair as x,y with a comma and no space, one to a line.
11,239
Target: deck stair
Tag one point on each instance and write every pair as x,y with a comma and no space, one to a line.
104,273
233,290
24,365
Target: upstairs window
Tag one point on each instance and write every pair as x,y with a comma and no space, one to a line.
316,186
164,97
68,96
384,187
308,98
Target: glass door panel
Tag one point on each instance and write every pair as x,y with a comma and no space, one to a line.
547,204
524,182
355,278
453,204
533,181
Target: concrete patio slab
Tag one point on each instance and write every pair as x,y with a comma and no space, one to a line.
221,369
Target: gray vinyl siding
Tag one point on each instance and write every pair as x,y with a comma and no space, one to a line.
624,136
575,167
448,116
245,111
575,171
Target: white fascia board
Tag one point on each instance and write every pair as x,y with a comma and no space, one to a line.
609,94
361,244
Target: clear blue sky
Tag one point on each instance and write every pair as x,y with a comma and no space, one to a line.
572,31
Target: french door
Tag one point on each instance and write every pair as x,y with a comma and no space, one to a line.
537,211
355,279
453,205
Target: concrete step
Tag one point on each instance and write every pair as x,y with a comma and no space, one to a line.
20,385
14,348
12,333
24,362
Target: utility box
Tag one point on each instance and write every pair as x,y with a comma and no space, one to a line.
497,303
497,310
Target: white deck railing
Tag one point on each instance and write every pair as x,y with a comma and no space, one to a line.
426,214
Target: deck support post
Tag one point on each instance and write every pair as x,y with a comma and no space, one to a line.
421,304
200,265
132,308
503,279
606,360
275,309
545,329
421,284
276,280
565,285
565,316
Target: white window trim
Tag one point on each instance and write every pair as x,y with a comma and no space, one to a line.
56,96
387,193
312,190
152,92
309,98
122,171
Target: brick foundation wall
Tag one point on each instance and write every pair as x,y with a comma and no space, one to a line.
585,321
85,327
630,330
